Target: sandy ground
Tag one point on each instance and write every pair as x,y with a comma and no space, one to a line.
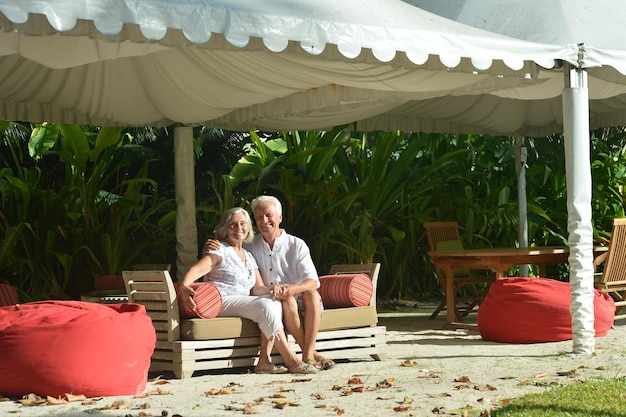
428,371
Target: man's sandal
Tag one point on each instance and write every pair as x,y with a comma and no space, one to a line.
304,368
325,363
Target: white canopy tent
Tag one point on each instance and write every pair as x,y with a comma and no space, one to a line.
244,64
240,65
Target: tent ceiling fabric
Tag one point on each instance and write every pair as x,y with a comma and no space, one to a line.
245,64
555,22
566,23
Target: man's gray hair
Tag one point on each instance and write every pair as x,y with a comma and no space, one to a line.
266,199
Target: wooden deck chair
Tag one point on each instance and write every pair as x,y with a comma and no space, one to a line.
445,236
613,278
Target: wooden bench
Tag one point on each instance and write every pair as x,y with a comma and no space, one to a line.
187,345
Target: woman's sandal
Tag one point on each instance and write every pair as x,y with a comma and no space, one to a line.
324,363
304,368
271,369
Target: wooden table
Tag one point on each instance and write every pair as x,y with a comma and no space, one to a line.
498,260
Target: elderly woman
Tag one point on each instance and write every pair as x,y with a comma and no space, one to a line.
235,273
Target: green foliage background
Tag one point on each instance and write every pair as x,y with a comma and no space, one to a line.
80,202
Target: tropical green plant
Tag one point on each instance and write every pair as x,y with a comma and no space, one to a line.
94,221
78,202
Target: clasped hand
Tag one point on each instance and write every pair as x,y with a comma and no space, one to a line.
281,292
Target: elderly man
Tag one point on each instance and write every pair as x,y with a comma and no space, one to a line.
286,267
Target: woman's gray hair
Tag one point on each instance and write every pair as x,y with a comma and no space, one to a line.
221,230
267,199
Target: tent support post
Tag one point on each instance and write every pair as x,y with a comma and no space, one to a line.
579,189
520,168
184,180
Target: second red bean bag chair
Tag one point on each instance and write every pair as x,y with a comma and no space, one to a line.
53,348
532,310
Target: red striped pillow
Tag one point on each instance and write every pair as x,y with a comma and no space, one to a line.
8,295
347,290
207,298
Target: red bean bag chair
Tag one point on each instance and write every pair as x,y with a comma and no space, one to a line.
533,310
53,348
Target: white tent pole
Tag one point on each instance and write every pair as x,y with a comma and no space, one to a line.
520,168
186,231
578,171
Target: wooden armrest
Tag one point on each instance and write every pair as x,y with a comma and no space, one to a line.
598,260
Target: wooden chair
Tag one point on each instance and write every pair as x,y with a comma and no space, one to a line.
613,278
445,236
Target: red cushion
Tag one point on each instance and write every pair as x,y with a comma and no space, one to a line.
70,347
207,298
110,282
8,295
532,310
347,290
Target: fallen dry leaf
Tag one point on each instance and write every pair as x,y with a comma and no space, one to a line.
485,388
302,380
157,391
56,401
461,386
116,405
355,381
318,396
484,400
506,401
248,409
571,372
222,391
439,395
408,362
430,374
468,411
232,407
462,379
386,383
407,400
144,414
401,408
541,375
72,398
31,400
337,410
